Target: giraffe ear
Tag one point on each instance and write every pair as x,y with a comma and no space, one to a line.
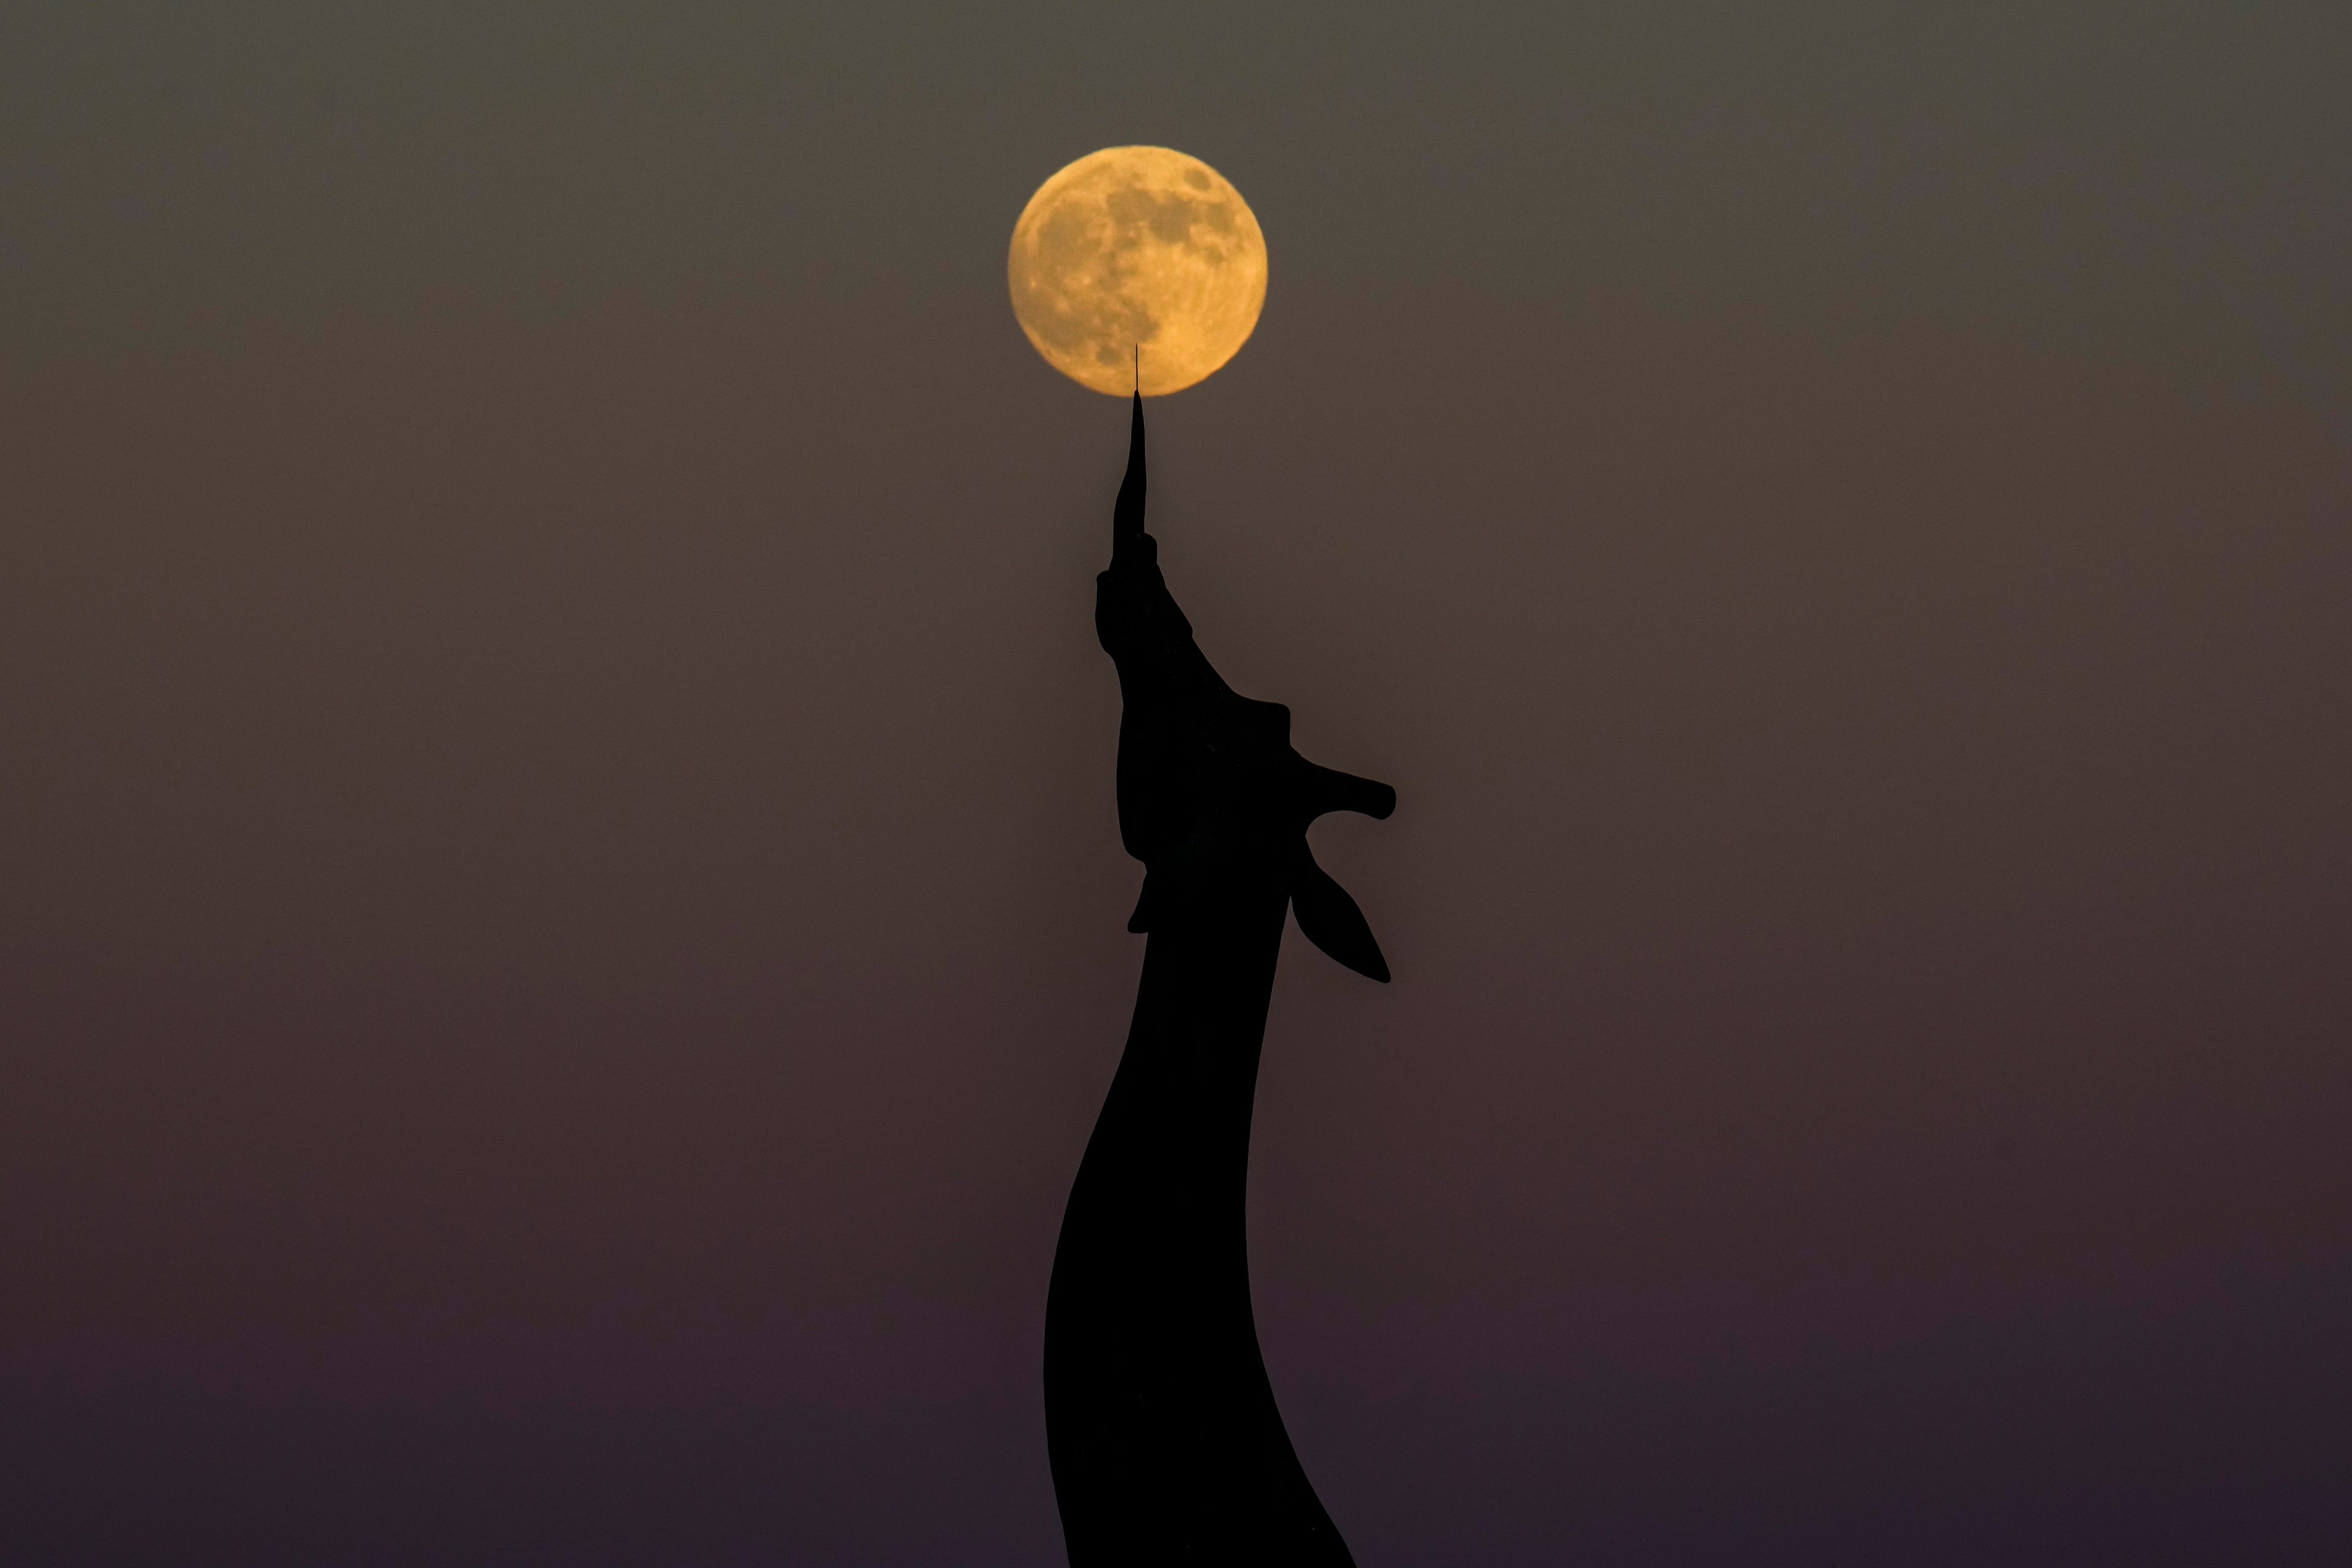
1329,918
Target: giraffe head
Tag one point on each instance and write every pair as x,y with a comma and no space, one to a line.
1212,798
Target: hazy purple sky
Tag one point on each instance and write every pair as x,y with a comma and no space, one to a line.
560,908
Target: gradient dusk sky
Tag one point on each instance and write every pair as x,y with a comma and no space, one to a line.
560,914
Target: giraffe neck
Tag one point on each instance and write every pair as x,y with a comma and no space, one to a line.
1171,1150
1166,1448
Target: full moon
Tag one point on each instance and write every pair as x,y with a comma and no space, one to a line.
1137,247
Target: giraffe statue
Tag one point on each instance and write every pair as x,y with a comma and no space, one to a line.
1166,1446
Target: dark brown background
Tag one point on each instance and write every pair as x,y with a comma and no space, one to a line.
559,903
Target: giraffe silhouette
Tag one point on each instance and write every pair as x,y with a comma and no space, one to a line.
1166,1445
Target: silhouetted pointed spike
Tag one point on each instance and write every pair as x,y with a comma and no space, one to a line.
1126,517
1329,918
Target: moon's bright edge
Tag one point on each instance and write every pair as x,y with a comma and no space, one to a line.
1137,246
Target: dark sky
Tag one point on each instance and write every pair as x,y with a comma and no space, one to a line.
560,908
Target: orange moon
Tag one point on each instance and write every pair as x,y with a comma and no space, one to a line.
1137,247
